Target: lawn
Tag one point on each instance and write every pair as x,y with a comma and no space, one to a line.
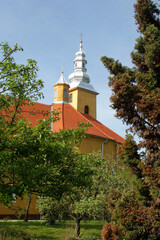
39,230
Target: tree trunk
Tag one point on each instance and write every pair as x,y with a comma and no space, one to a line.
27,209
78,227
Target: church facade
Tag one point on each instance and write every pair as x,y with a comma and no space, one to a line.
76,103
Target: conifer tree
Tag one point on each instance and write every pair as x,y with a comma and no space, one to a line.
136,99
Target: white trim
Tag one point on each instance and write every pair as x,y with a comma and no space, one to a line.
60,102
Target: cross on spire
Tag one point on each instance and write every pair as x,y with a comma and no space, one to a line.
81,37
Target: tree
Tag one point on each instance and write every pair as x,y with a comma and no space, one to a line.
18,86
90,200
76,204
136,99
33,160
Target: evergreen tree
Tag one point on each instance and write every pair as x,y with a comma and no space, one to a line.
136,99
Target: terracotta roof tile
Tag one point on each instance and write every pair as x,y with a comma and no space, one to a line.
69,118
35,112
108,132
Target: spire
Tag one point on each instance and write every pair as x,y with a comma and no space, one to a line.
80,71
80,45
62,78
80,78
61,89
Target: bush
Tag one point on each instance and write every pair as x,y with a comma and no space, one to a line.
110,231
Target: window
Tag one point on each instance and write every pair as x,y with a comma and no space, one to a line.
86,109
65,93
70,97
55,92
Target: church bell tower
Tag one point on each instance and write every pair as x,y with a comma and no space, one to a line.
82,95
61,90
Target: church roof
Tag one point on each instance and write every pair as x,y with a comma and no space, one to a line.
35,112
70,118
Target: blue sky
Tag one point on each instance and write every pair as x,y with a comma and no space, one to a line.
49,31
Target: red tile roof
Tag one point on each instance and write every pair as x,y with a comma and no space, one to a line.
108,132
36,112
69,118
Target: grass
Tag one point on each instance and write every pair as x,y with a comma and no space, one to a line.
38,230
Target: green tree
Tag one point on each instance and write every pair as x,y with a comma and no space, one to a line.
18,86
90,200
136,99
33,160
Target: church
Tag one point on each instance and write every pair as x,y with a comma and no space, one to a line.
76,103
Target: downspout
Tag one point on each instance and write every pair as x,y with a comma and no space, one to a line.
51,123
116,158
103,146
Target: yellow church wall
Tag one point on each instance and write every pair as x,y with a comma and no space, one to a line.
90,144
110,149
74,101
94,144
86,98
82,98
18,208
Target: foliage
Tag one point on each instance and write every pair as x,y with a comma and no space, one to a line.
37,161
141,222
18,85
90,200
136,99
33,160
51,209
110,231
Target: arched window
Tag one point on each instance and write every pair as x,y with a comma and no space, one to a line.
86,109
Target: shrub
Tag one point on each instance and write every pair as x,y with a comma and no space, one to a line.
110,232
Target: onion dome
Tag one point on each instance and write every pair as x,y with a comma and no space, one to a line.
80,78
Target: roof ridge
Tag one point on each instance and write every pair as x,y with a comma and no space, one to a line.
27,103
83,117
82,114
98,127
107,128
